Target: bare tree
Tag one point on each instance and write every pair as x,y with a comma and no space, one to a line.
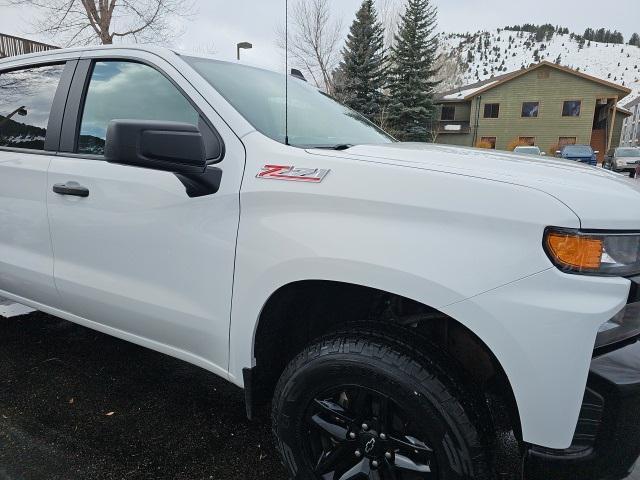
315,38
389,13
207,48
81,22
450,70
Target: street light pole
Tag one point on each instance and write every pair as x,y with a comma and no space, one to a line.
243,46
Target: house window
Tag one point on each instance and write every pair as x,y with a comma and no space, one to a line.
531,141
491,110
562,141
530,109
490,140
448,112
571,108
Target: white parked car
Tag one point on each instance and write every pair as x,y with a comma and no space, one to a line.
623,160
528,150
403,304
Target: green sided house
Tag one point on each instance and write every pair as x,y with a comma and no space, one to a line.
547,105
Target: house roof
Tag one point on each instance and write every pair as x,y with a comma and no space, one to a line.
467,92
624,111
632,103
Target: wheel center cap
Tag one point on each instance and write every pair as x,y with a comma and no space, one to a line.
370,445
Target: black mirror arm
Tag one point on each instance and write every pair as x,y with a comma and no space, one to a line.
201,184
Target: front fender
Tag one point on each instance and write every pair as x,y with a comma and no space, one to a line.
542,330
436,238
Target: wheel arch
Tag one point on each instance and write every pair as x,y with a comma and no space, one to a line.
328,305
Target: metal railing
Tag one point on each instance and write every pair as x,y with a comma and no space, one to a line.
11,46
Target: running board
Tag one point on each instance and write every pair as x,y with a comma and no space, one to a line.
9,308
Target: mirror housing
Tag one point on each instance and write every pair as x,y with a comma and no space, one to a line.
168,146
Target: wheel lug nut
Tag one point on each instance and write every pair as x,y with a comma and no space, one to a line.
374,464
358,454
365,427
352,435
383,436
387,455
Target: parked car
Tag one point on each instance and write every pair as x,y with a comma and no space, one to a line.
402,315
623,160
528,150
579,153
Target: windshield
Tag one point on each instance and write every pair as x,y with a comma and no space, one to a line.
315,119
530,150
578,150
627,152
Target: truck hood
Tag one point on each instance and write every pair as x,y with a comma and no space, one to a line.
600,198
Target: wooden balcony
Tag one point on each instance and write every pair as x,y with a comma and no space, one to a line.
11,46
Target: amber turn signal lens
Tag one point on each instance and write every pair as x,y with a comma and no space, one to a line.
577,252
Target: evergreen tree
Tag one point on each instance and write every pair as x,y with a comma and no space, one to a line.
413,71
361,74
635,40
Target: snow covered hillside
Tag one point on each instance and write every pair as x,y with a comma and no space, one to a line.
468,58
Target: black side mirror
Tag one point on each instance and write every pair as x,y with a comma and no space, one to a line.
168,146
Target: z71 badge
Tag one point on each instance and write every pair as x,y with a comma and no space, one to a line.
293,174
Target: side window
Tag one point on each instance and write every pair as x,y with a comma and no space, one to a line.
530,109
448,112
491,110
571,108
26,97
131,91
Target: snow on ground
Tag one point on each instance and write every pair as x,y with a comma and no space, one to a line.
503,51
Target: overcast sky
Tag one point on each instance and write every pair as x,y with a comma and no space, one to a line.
220,24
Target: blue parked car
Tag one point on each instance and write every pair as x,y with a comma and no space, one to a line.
579,153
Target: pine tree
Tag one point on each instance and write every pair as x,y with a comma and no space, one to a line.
413,71
362,72
635,40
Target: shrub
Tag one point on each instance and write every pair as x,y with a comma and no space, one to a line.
484,144
516,142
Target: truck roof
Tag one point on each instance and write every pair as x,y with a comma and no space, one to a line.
161,51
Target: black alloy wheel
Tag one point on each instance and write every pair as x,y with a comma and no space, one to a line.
357,431
362,405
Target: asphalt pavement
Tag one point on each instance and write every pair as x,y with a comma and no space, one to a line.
76,404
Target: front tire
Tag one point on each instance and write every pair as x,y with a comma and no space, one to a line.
362,405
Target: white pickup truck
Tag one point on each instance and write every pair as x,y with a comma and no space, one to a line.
405,307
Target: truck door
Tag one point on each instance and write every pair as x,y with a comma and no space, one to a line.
29,132
135,255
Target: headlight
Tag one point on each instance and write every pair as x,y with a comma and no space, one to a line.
625,325
593,253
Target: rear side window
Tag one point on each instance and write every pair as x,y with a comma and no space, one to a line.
128,91
26,97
